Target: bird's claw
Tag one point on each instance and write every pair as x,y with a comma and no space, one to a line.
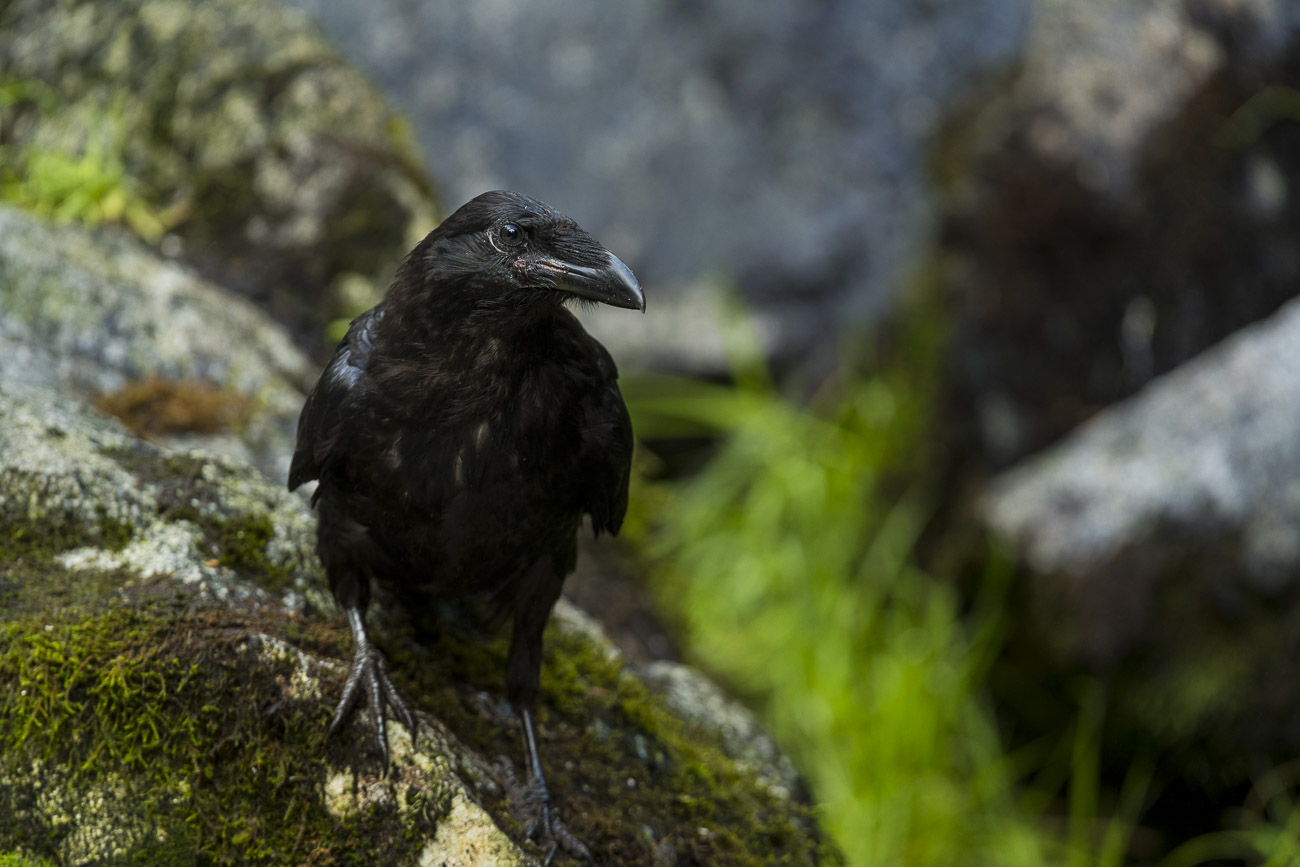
562,839
546,828
369,672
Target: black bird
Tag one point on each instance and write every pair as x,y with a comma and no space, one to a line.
463,428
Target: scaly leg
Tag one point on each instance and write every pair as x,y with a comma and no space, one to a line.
369,672
545,826
523,672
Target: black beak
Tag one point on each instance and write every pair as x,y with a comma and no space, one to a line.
613,284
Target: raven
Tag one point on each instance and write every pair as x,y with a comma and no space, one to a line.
462,429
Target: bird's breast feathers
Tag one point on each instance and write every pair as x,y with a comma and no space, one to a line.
478,431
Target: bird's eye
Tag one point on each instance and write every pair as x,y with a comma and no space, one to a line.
510,234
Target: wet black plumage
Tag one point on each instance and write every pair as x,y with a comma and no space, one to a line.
461,431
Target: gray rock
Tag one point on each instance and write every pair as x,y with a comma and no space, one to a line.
700,702
1121,203
167,674
66,466
166,662
97,312
65,473
775,147
280,169
1164,541
1098,80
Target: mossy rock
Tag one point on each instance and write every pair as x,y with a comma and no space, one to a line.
100,314
168,661
280,170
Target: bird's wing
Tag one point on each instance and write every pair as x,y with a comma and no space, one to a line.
322,425
606,451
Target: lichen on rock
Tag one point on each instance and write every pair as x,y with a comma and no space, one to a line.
95,313
168,661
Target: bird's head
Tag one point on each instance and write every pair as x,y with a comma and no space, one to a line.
505,249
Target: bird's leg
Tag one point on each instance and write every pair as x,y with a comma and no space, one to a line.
523,672
545,825
369,672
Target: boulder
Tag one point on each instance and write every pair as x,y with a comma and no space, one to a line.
234,127
169,659
1122,202
169,654
102,316
1162,542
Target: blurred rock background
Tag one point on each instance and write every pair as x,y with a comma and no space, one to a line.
777,148
981,488
231,135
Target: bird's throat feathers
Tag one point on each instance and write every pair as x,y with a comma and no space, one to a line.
453,304
449,334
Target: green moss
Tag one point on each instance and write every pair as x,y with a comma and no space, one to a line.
92,186
29,551
177,471
38,542
191,489
157,700
240,544
169,710
113,535
600,728
21,861
685,787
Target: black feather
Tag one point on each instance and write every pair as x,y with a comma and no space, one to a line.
465,425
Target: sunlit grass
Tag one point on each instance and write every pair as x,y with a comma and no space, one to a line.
793,579
789,563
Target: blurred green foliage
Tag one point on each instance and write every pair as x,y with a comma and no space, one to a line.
91,186
794,582
1265,108
21,861
789,562
1266,830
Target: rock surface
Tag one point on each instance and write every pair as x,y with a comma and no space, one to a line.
166,672
142,589
280,169
1164,541
1125,201
98,313
168,653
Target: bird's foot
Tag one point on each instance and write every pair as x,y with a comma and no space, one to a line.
534,801
368,675
544,828
531,805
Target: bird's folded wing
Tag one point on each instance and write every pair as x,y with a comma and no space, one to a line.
322,427
606,454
